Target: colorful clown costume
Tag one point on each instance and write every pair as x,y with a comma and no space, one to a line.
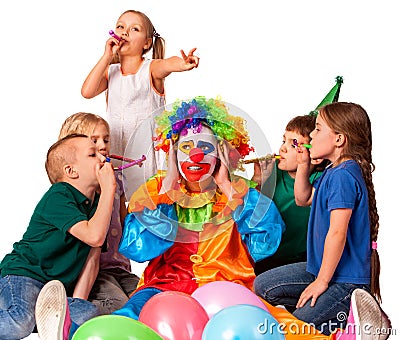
198,222
221,245
192,239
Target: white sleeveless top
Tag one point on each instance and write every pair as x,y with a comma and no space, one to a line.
131,102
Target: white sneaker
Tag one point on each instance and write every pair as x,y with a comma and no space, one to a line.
371,321
52,312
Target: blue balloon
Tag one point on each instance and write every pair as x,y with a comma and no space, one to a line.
243,322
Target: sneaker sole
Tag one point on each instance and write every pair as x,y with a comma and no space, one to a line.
50,311
367,309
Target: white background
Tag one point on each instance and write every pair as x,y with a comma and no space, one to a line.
272,59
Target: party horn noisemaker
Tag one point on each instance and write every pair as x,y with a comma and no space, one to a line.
256,160
132,162
111,32
307,146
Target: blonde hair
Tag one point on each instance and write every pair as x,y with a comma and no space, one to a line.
81,123
352,121
157,42
61,153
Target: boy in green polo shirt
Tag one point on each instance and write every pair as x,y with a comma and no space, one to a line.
279,186
70,218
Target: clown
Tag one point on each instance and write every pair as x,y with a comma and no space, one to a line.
197,222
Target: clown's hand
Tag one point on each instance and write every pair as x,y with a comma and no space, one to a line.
171,180
221,175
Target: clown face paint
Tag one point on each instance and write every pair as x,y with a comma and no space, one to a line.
197,155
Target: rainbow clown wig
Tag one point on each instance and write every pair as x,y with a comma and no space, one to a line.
195,113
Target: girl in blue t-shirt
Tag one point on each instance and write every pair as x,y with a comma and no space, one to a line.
342,229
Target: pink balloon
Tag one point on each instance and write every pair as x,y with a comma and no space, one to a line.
174,316
217,295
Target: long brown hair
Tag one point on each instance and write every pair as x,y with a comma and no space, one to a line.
353,122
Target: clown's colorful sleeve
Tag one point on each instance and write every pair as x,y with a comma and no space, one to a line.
151,224
260,224
149,233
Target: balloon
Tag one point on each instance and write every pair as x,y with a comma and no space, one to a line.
112,327
175,316
243,322
217,295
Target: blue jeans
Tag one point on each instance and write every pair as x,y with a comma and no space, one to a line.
18,295
284,285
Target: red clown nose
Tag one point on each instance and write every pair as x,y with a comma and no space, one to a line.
196,155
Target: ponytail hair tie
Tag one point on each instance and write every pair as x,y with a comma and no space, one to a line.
374,245
155,34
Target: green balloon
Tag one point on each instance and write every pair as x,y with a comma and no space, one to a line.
114,327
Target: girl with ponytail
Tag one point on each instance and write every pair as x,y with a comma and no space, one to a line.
134,86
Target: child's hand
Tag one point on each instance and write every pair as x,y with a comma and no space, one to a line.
112,47
172,177
106,177
190,61
303,156
312,291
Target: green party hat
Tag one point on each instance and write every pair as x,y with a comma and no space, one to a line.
331,97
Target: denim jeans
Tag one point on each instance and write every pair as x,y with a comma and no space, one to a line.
112,289
18,295
284,285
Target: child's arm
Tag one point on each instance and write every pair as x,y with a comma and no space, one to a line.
94,231
96,82
161,68
88,274
303,189
333,248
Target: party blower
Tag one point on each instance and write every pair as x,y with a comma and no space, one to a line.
131,162
256,160
111,32
296,144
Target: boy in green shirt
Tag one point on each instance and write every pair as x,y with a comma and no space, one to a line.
279,186
68,221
